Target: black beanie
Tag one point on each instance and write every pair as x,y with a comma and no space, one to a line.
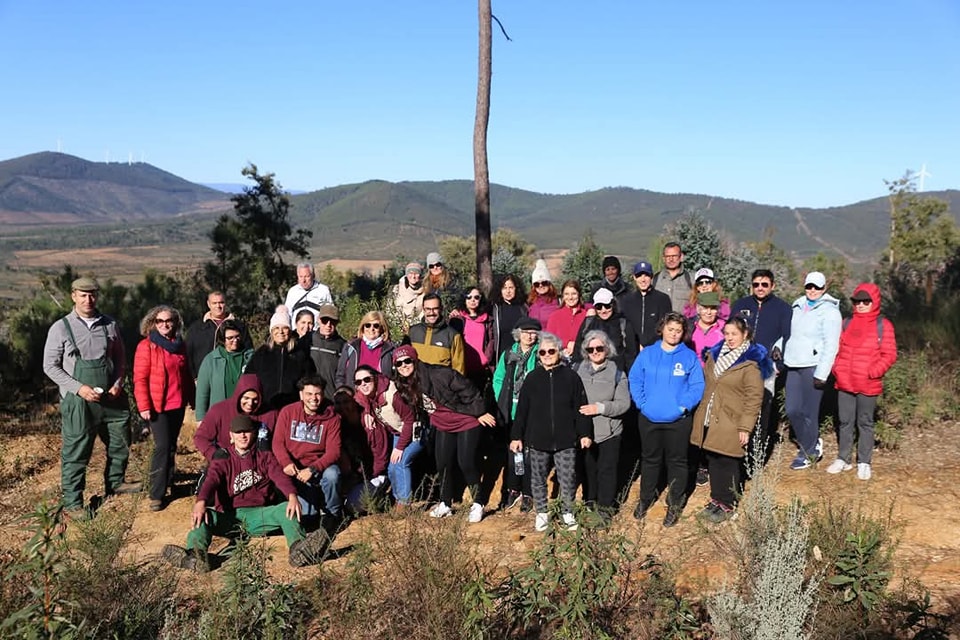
611,261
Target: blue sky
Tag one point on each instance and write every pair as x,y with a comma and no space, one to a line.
808,103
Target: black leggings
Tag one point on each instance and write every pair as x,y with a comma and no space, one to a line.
457,449
166,430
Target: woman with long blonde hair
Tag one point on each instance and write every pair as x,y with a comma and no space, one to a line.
372,347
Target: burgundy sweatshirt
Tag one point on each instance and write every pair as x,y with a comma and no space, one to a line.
309,441
246,481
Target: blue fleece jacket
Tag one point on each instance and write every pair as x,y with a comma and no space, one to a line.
662,382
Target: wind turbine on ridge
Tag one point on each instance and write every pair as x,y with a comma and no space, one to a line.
922,174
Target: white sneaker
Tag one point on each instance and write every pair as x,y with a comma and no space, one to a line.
839,465
541,521
569,522
476,512
441,510
863,471
818,452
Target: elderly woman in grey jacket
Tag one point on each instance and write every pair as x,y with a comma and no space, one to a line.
608,395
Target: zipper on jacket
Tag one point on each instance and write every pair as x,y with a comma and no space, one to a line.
553,417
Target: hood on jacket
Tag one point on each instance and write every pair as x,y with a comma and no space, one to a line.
247,382
874,292
755,352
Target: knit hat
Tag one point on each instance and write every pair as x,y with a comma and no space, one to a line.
817,279
528,324
540,272
414,267
703,273
611,261
433,258
603,296
243,424
709,299
643,267
405,351
280,318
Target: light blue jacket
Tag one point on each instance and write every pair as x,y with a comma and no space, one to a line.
663,383
814,335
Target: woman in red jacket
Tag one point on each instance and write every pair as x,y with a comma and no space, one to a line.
868,348
565,323
163,387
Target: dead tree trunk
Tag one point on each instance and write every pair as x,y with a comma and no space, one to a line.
481,172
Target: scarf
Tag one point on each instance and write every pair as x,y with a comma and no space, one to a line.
520,373
727,357
234,364
415,287
373,344
170,346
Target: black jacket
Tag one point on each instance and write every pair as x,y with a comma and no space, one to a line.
454,391
325,354
279,371
621,334
644,313
548,412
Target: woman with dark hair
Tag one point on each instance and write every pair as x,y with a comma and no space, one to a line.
457,412
221,368
550,426
542,301
303,326
163,387
279,364
666,382
734,372
565,323
472,319
508,307
372,347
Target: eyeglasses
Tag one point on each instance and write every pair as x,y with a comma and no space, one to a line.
231,338
327,321
371,325
473,296
431,309
360,381
865,303
813,286
599,349
667,256
402,362
541,284
435,265
164,320
547,352
760,285
600,306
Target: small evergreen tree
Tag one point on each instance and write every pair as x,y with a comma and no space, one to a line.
583,262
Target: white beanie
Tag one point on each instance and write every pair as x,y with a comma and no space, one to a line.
280,318
540,272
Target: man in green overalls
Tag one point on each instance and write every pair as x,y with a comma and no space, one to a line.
84,355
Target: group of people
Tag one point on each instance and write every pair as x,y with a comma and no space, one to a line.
517,385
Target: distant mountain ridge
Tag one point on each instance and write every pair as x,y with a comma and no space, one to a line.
379,219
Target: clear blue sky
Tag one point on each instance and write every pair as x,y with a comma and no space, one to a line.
801,103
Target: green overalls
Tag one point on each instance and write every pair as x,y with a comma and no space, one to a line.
83,421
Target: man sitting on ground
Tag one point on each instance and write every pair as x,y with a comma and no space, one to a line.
243,484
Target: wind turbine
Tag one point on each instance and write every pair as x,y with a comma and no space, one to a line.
923,174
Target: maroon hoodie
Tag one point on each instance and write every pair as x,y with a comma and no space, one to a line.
307,440
247,481
214,431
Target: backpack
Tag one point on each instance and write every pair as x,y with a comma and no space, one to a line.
846,322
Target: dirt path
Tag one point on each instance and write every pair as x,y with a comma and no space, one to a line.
919,484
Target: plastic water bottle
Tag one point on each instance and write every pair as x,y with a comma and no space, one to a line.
263,434
518,463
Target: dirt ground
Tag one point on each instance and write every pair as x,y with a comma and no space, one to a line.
918,484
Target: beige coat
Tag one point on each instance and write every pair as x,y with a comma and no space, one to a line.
737,396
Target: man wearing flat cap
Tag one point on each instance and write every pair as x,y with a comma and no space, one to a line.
84,355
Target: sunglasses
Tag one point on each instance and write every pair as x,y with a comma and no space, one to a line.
435,265
702,281
541,284
473,296
360,381
371,325
813,286
760,285
164,321
402,362
327,321
547,352
600,306
600,349
863,302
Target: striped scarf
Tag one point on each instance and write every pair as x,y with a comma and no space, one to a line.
727,357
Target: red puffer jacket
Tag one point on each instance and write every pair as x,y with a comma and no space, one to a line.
151,377
864,356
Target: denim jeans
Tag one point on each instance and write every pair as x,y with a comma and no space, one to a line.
321,493
399,472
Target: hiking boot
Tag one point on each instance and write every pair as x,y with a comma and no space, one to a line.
818,450
126,488
672,517
838,466
800,462
703,476
441,510
476,513
511,500
570,522
156,505
311,549
642,507
863,471
708,510
189,559
526,504
541,521
720,513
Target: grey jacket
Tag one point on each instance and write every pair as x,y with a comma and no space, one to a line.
100,339
611,396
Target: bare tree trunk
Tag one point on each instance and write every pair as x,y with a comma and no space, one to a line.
481,172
